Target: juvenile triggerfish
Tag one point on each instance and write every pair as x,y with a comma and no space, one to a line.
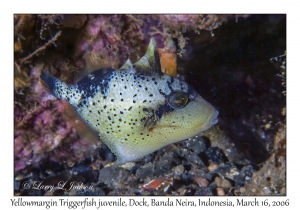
136,109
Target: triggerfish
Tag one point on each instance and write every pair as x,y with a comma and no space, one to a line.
136,109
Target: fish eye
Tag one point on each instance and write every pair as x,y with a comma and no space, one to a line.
178,99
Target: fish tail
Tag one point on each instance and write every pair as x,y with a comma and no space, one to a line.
48,81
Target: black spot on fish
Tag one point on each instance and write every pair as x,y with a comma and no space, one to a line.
169,84
163,109
162,93
102,79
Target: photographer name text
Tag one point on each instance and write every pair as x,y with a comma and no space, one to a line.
150,202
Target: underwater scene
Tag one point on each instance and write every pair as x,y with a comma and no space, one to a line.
138,105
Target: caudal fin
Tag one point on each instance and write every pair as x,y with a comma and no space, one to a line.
48,81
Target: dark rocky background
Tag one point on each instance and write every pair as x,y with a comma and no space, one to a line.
236,62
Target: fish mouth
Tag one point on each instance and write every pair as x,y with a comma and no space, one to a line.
214,118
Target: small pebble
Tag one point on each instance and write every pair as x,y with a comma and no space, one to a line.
128,166
108,164
204,191
218,181
226,184
267,126
94,167
229,170
182,191
212,167
242,189
178,170
223,183
201,181
145,171
19,177
283,191
220,191
215,154
267,191
22,177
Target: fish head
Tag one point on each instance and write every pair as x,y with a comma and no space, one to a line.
174,111
183,115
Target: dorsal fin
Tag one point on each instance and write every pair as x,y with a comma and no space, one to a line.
149,64
127,65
